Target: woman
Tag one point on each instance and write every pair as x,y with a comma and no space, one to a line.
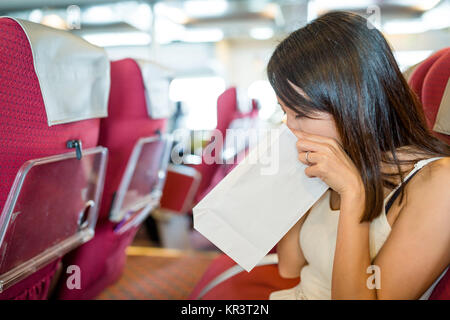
362,131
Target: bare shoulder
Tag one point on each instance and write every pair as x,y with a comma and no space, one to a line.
430,188
434,174
418,246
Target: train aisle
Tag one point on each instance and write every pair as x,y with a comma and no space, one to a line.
159,274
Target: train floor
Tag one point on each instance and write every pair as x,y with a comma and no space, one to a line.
164,266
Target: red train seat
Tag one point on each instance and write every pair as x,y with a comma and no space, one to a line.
39,121
138,157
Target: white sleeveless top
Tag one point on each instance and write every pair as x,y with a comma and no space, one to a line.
318,242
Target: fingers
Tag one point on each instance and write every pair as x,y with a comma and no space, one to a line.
314,171
304,145
313,138
312,159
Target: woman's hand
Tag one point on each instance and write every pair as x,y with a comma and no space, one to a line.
329,162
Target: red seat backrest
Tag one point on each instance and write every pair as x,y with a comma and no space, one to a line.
127,121
25,133
226,109
418,75
23,121
428,81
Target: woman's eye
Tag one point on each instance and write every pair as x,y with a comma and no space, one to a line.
297,117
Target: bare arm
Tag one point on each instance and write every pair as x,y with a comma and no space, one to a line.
351,256
416,251
290,255
418,248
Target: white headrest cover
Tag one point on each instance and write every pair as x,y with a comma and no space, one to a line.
156,83
73,74
442,123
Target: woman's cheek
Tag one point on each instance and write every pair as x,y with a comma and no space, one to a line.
293,123
318,127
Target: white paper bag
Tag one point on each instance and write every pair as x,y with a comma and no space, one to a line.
257,203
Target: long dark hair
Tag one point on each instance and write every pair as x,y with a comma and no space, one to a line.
346,68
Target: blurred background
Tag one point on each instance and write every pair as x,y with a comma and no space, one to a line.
210,45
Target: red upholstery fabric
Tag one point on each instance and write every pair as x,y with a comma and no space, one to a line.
433,90
25,134
254,285
442,289
428,82
102,259
418,76
34,287
226,109
176,189
101,262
